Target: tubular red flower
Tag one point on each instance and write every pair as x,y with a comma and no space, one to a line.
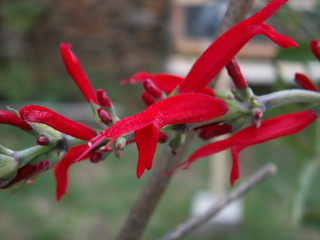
38,114
228,45
14,120
304,82
270,129
315,48
77,73
235,74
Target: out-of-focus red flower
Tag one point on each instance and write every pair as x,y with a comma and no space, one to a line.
305,82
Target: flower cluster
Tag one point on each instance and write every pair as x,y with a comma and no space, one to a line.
174,105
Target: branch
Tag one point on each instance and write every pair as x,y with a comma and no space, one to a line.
245,187
151,194
157,183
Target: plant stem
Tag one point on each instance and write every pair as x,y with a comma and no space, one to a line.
245,187
151,194
279,98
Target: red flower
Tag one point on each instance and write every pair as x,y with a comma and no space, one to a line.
270,129
38,114
76,72
228,45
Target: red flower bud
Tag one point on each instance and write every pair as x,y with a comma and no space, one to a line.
235,74
147,99
43,140
103,98
214,130
151,88
95,157
104,116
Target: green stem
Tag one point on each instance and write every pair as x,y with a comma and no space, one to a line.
27,155
276,99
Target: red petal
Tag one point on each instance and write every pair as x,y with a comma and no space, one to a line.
61,169
146,139
228,45
14,120
77,73
304,82
38,114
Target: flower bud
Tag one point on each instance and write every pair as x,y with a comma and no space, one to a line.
147,98
235,74
8,167
151,88
121,143
42,140
95,157
104,116
163,137
103,98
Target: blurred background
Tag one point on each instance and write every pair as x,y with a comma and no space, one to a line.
114,39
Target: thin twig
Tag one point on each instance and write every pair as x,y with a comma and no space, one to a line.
245,187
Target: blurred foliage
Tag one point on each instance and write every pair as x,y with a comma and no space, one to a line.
22,15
